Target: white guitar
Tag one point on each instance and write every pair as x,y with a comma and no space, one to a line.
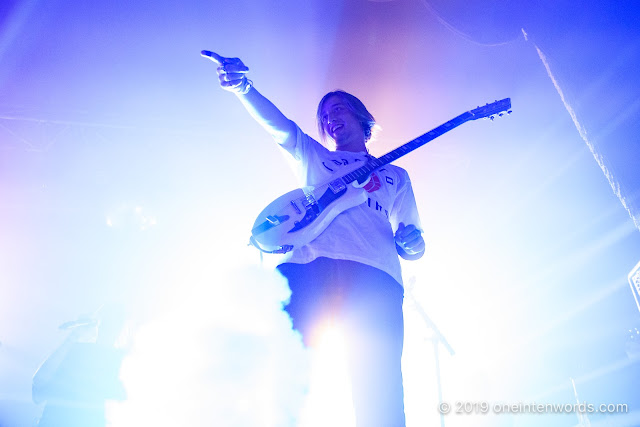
299,216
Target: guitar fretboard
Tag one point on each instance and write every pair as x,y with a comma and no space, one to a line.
363,172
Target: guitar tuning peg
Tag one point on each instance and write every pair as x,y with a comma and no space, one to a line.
491,117
508,111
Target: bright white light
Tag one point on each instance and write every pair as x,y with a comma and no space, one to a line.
329,400
217,353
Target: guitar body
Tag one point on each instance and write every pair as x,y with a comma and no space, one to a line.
299,216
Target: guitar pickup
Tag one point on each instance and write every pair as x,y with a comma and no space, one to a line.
309,200
337,186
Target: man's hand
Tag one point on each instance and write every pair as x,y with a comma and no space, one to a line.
231,72
409,242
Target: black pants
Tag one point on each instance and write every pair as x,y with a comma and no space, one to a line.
368,304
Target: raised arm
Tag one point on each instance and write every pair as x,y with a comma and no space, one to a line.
233,78
44,385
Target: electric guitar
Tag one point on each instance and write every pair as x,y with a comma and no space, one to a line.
299,216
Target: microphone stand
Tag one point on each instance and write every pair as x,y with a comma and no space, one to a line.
436,339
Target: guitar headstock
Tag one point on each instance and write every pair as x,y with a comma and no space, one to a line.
497,108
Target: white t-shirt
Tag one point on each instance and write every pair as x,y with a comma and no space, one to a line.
364,233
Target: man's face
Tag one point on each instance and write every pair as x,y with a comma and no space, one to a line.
342,125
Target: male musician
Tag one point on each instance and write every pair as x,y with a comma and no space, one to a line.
350,272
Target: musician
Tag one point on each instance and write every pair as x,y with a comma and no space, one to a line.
350,272
77,378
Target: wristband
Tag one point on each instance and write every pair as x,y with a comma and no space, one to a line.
248,84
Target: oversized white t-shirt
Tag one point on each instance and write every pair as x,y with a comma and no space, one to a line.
364,233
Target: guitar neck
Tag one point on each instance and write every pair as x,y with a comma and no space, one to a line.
363,172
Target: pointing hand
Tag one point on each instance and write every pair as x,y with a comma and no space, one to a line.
231,72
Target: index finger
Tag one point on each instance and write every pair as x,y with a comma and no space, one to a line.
213,56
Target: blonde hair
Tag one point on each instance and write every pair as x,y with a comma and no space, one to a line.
366,119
